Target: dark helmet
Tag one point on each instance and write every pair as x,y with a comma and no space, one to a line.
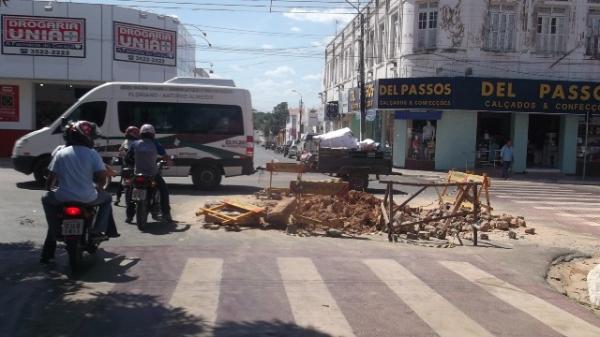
132,132
81,133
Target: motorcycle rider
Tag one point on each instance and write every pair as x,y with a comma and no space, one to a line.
144,153
132,133
74,169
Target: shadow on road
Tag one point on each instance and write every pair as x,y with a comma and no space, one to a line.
40,301
188,189
264,328
165,228
30,185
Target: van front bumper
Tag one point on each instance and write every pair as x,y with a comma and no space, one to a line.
23,164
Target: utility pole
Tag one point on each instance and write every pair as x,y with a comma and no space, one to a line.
361,66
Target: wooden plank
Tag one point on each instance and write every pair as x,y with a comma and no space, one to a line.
319,187
245,207
286,167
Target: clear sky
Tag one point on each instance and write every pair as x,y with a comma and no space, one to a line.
270,53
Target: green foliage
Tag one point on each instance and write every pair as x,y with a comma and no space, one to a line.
271,122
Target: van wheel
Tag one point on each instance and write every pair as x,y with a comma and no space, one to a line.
206,177
40,173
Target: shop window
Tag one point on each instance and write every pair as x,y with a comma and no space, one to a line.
500,30
593,146
427,25
551,30
94,112
542,141
493,130
183,117
421,144
593,36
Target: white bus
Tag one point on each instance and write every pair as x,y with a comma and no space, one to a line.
207,127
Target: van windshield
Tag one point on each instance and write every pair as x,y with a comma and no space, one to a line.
94,112
183,117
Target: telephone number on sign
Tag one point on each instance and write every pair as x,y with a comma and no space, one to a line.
45,52
149,59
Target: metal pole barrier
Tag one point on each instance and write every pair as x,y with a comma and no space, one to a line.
585,146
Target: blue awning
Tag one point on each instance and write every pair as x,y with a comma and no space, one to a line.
418,115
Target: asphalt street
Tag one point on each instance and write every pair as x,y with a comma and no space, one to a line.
183,280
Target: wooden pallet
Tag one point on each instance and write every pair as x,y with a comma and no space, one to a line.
218,215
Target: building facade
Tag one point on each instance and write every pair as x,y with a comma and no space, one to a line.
450,81
52,53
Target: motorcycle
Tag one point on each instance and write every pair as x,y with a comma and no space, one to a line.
145,196
77,221
126,179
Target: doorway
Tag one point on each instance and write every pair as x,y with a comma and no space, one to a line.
493,130
542,142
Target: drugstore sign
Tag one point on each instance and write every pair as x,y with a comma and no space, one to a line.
43,36
488,94
141,44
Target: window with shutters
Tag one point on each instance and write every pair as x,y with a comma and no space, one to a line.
427,25
551,31
381,43
394,29
592,47
369,48
500,29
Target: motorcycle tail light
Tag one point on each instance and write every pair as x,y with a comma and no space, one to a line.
249,146
72,211
139,180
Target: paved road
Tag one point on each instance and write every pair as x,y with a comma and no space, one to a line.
182,280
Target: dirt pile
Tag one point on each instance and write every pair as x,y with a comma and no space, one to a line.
353,213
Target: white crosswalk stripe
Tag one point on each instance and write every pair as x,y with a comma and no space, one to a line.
561,321
311,302
573,197
197,291
446,319
542,201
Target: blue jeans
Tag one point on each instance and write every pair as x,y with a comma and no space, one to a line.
105,223
506,168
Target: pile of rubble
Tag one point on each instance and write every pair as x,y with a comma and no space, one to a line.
352,213
415,224
355,213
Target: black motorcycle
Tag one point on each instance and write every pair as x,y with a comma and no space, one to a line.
75,231
146,196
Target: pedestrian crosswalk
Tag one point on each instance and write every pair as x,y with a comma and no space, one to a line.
567,203
432,305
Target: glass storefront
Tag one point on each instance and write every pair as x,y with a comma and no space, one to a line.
593,148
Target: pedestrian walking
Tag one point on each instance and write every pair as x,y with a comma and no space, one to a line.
506,153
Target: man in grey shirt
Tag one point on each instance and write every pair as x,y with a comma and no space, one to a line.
145,153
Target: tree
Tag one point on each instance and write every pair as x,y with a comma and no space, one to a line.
280,116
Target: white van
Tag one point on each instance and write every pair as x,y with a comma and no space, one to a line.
208,128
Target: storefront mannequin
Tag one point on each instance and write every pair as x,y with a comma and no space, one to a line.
428,132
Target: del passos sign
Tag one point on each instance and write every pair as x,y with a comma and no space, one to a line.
43,36
141,44
489,94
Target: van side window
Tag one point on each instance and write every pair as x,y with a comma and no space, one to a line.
89,111
183,117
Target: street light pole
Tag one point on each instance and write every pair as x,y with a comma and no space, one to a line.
300,116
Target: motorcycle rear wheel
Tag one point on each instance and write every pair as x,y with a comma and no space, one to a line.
141,215
75,254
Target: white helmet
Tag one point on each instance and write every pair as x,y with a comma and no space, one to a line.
147,128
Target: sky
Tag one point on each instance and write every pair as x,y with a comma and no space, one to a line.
269,53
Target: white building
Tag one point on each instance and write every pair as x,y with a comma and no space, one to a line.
54,52
292,126
459,44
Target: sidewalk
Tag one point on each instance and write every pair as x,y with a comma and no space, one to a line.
556,178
